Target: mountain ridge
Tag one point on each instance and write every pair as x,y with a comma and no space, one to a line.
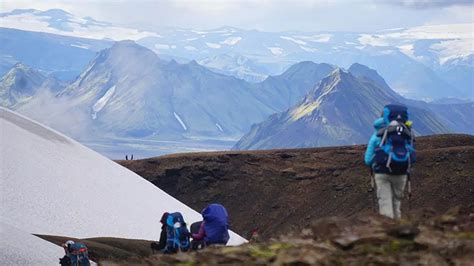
339,110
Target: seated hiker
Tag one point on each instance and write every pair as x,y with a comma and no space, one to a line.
196,233
161,244
214,227
177,234
390,154
76,254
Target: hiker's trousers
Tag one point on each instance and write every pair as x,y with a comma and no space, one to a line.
390,193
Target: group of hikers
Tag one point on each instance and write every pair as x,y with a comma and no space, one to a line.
390,155
175,236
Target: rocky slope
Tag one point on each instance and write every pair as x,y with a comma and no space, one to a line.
361,240
277,191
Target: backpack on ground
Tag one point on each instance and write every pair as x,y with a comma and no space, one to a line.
396,152
216,224
78,254
177,234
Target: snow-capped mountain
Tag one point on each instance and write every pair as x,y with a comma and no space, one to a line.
58,21
61,56
22,83
407,58
53,185
421,62
339,110
460,73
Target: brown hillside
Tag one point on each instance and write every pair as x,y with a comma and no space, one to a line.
281,190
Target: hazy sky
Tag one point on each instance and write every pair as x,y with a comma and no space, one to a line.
268,15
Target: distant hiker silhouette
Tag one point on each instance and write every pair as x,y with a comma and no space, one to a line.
390,154
126,157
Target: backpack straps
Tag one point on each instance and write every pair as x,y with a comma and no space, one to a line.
384,137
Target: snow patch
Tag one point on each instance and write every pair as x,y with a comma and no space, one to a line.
190,48
219,127
309,49
408,50
373,40
160,46
82,46
199,32
316,38
213,45
180,120
231,40
73,26
100,104
300,42
277,51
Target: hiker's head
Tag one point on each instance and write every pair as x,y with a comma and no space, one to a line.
164,217
67,245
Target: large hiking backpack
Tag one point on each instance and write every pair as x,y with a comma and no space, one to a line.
396,152
177,234
216,224
79,255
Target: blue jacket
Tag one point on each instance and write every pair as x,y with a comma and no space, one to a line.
215,224
373,142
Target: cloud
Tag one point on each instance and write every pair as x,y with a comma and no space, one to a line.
58,114
422,4
266,15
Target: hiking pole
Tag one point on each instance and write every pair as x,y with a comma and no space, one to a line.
409,190
372,190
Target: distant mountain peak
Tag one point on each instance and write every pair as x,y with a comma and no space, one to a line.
339,72
20,66
19,84
129,46
56,12
365,72
125,43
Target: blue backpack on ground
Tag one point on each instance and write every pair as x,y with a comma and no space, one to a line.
177,234
79,255
396,152
216,224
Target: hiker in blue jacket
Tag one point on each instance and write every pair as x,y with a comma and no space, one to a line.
373,142
214,227
390,154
